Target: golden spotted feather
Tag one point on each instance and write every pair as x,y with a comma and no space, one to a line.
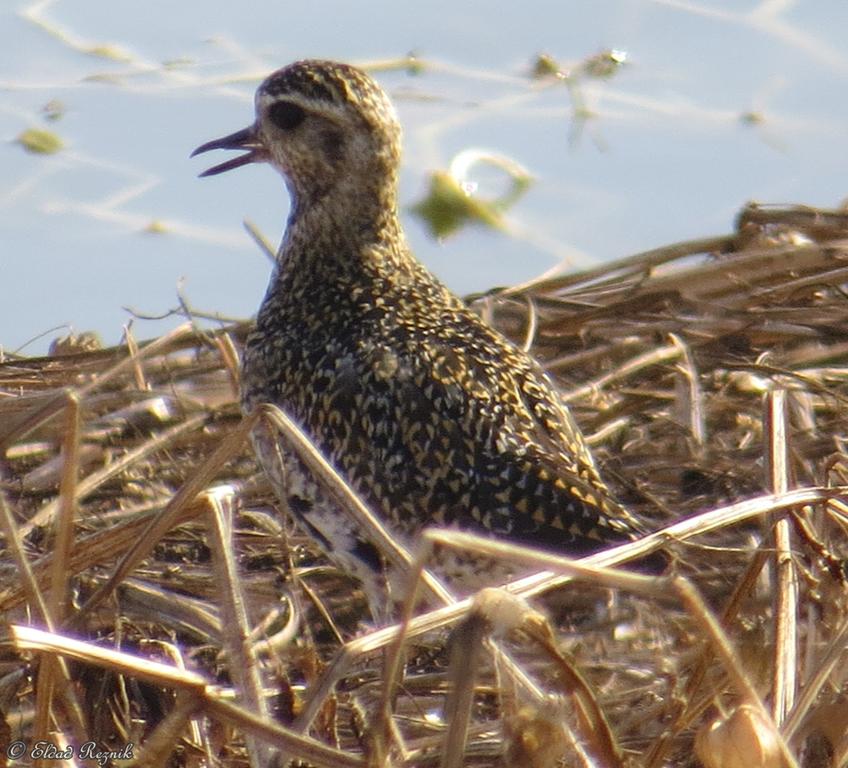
428,412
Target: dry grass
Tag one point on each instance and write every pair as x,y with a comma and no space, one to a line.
177,611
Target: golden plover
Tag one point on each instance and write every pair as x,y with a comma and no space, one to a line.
431,415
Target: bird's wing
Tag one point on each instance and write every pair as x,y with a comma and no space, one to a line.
493,398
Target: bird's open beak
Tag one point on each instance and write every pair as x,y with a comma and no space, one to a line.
246,139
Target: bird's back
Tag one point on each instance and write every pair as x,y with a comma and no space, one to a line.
429,413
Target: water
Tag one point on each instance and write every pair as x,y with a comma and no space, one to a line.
719,103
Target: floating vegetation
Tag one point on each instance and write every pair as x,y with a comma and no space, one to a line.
156,227
452,200
111,52
40,141
53,110
601,66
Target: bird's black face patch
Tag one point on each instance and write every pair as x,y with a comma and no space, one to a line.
286,115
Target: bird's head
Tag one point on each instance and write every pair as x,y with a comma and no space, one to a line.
323,125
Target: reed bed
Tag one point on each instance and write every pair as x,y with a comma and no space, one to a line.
152,595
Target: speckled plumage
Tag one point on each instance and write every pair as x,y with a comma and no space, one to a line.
430,414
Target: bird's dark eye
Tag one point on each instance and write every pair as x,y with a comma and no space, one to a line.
286,115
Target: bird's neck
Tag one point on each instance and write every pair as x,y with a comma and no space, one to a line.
348,233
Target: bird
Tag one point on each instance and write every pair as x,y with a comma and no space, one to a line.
430,414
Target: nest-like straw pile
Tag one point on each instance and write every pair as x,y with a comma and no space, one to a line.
712,380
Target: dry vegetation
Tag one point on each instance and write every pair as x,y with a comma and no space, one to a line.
713,379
